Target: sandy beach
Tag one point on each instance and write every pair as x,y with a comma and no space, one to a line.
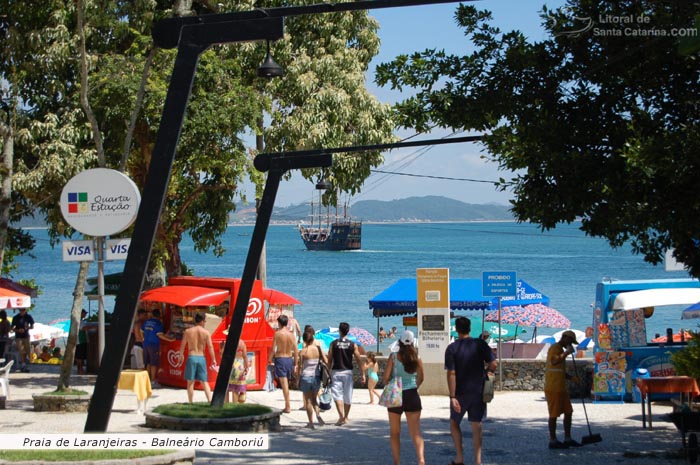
515,432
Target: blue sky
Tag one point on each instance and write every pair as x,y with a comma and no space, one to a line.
405,30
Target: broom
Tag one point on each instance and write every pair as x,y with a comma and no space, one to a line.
591,438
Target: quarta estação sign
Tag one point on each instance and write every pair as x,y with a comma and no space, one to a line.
100,202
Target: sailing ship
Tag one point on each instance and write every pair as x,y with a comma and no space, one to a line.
331,233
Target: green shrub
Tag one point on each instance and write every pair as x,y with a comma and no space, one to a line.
204,410
687,360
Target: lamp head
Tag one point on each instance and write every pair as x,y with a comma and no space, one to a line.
323,184
269,68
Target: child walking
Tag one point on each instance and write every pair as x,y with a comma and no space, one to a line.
371,367
237,384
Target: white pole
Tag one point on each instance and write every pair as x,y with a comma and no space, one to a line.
100,296
500,336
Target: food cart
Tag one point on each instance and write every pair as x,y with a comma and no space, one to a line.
183,297
619,323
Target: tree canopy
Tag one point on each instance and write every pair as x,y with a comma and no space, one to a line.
321,101
598,123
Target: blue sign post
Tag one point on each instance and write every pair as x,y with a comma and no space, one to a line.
499,284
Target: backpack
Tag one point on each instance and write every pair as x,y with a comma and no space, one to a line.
323,374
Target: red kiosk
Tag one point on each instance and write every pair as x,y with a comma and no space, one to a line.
183,297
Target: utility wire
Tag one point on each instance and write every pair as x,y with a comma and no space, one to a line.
434,177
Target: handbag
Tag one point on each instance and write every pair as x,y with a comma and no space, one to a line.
392,395
325,400
488,392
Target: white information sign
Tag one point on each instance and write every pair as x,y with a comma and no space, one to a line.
433,286
100,202
117,249
78,251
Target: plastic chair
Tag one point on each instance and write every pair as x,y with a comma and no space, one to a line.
5,379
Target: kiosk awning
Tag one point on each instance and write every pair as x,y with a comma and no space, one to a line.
186,296
656,298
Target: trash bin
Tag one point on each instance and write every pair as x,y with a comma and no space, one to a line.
637,374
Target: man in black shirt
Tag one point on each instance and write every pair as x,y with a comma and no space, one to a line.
21,324
340,357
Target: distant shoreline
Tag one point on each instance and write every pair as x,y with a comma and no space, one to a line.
286,223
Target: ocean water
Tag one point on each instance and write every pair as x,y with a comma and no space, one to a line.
564,264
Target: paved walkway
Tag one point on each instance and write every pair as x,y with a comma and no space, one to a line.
514,433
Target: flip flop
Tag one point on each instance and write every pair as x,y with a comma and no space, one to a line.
456,463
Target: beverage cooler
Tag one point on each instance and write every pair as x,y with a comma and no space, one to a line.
183,298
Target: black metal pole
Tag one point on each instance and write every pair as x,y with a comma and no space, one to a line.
276,165
193,40
257,241
142,239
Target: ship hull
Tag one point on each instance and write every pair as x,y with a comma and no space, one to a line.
341,236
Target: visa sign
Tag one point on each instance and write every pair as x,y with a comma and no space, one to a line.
117,249
78,251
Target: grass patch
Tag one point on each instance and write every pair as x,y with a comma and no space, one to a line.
204,410
66,392
53,455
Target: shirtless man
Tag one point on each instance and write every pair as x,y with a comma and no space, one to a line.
197,339
284,356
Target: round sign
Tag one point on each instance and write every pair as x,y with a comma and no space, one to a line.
100,202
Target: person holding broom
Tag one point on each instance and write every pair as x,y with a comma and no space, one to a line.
555,391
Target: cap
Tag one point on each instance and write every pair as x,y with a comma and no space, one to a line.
571,335
407,338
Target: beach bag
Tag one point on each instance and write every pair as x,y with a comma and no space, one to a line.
392,395
325,399
488,392
323,374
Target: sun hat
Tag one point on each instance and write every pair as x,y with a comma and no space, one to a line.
571,335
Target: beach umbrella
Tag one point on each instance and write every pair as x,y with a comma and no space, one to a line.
545,339
534,315
42,332
330,334
586,344
13,299
691,312
63,325
363,336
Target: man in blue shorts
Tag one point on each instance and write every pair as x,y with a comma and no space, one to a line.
198,339
284,357
465,360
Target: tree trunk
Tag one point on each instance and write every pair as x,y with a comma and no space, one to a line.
6,189
69,356
261,273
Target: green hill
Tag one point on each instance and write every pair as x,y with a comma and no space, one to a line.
412,209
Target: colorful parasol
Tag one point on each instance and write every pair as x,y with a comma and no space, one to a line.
536,315
363,336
